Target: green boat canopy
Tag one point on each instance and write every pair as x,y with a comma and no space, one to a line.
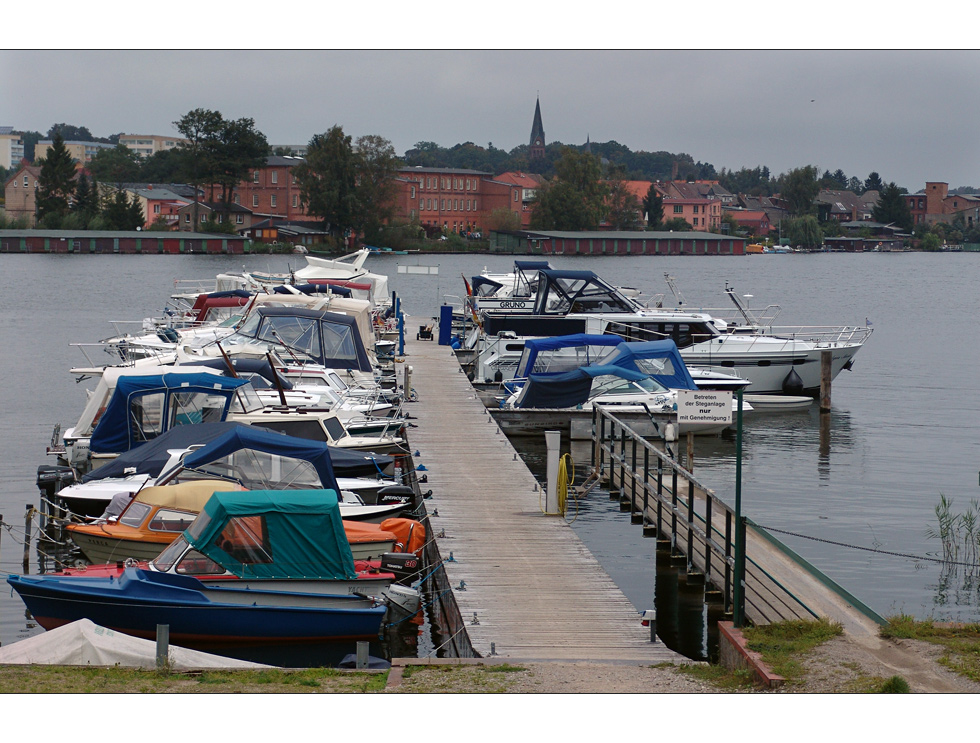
275,534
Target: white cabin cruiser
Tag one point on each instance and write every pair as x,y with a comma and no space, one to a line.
774,360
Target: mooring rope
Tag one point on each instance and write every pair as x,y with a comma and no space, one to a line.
869,549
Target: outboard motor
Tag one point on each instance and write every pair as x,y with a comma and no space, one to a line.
792,384
405,565
401,601
52,478
395,494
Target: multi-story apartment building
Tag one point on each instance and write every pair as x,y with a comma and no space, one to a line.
81,152
272,190
701,214
11,148
146,145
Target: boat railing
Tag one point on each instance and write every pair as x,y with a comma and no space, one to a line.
195,286
819,333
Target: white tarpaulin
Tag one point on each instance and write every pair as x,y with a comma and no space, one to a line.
84,643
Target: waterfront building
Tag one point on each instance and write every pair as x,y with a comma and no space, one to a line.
935,204
81,152
146,145
11,148
237,215
272,191
20,193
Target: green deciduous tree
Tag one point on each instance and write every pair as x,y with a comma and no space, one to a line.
198,155
575,198
116,165
240,149
623,208
328,181
800,188
376,166
56,184
804,231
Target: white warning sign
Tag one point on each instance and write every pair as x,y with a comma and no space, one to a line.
704,406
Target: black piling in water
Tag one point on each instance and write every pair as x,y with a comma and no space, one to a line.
27,537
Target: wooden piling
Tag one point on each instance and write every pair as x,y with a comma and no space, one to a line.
826,373
27,537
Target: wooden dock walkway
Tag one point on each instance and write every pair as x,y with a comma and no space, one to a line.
530,588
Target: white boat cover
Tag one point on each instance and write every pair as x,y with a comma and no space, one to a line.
84,643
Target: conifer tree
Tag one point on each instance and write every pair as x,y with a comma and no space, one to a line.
56,186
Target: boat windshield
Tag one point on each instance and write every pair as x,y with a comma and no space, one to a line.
171,553
257,470
613,385
134,514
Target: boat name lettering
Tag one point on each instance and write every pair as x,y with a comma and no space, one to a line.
513,305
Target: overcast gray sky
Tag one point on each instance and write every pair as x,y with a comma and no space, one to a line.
910,115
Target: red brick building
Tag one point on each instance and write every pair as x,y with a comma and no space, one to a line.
272,191
453,199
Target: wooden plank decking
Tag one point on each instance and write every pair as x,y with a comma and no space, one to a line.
531,586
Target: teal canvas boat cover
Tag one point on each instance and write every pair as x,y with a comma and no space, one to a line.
275,534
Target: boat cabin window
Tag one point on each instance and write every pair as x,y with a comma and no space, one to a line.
194,563
166,559
683,334
334,427
196,407
133,516
245,539
245,400
297,333
308,429
338,343
146,416
167,519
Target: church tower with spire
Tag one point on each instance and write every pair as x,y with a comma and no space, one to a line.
537,133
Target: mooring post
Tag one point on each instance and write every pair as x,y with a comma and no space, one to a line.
826,372
739,577
27,537
362,654
690,452
163,646
553,445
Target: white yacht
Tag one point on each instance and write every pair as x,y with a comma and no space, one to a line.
775,360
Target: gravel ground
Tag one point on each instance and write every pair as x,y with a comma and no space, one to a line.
842,665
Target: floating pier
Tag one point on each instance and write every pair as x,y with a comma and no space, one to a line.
524,585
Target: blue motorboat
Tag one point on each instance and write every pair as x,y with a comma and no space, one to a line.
275,540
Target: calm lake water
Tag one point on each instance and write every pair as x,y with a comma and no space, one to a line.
905,425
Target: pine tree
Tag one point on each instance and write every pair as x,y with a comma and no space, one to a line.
892,208
56,186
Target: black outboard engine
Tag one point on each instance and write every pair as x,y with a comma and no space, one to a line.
395,494
406,566
52,478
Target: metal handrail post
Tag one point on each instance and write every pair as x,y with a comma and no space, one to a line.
739,609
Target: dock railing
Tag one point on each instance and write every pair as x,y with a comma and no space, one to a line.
688,518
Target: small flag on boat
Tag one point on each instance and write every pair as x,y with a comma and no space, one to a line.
867,323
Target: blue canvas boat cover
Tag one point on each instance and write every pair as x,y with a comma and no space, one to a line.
151,457
569,389
592,346
269,442
477,283
531,265
659,359
275,534
143,406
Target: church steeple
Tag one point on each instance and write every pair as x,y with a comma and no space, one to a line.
537,133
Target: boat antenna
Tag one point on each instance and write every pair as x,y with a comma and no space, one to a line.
674,290
746,313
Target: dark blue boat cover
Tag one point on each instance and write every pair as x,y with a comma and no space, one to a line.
569,389
150,458
120,430
659,359
534,346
